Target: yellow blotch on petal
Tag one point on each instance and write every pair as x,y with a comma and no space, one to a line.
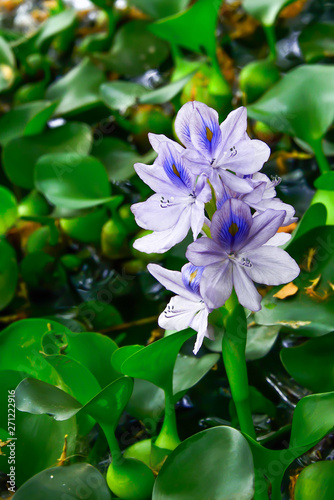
209,134
175,170
287,291
193,276
233,229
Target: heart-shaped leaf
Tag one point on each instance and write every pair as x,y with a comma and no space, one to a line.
311,364
193,29
62,482
9,274
78,90
72,180
27,119
191,470
154,362
7,65
265,11
8,210
21,154
283,106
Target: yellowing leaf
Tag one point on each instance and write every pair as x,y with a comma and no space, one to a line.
287,291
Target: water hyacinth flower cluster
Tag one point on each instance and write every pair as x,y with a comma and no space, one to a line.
218,166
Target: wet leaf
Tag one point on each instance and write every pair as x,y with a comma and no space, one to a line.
265,11
316,481
317,41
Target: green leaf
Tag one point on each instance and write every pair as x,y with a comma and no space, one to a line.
166,93
86,228
307,313
8,210
154,362
9,274
135,50
38,397
27,119
189,370
160,8
38,437
119,157
193,29
21,154
283,106
53,27
72,180
7,65
190,471
317,41
314,216
121,95
62,482
316,481
265,11
20,346
78,90
92,350
260,339
311,364
325,181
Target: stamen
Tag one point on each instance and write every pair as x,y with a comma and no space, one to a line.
246,262
165,203
233,151
275,180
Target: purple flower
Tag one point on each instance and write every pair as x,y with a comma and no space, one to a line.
243,250
219,149
261,198
178,204
188,308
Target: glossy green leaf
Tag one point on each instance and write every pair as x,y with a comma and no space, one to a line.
42,270
72,180
317,41
160,8
119,157
78,90
265,11
154,362
166,93
62,482
92,350
314,217
311,364
121,95
99,315
39,437
27,119
316,481
308,313
8,210
191,470
283,106
193,29
135,50
37,397
21,154
20,346
9,273
54,26
260,339
189,370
